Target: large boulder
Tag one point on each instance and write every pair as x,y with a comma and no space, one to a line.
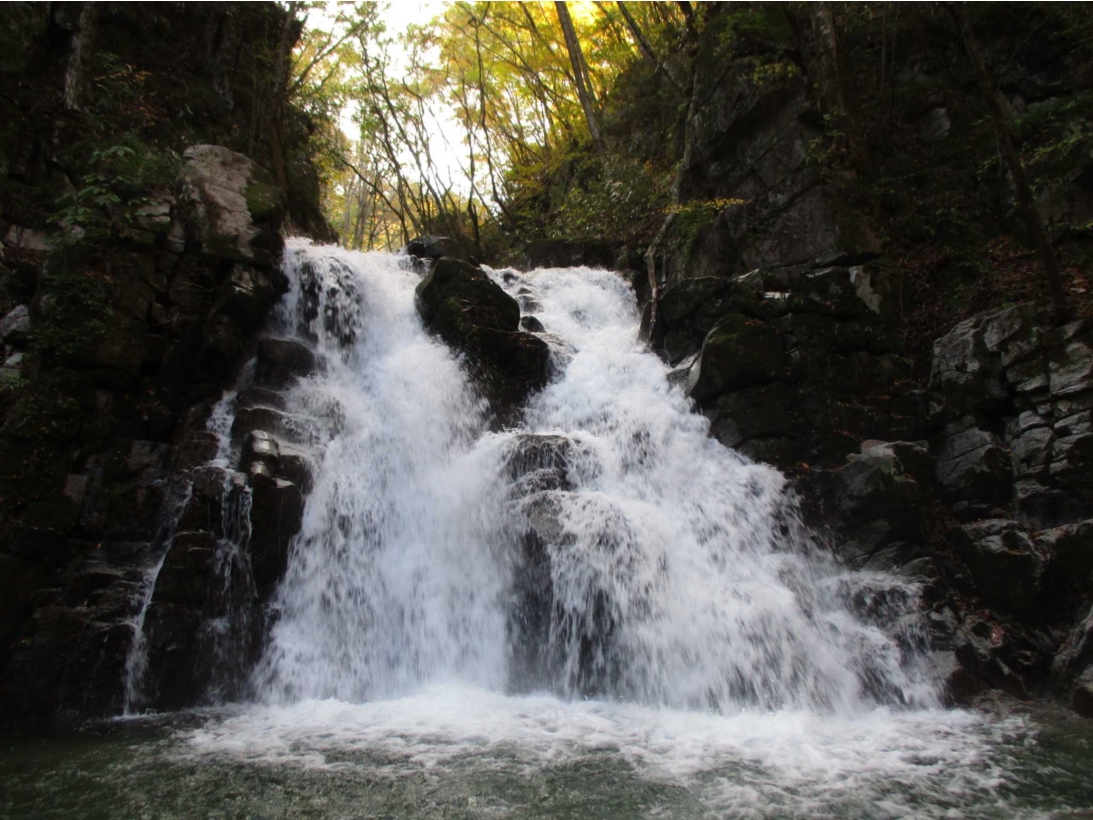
282,361
458,295
738,352
227,201
472,313
434,247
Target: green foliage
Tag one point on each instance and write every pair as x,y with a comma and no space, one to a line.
115,189
76,305
48,407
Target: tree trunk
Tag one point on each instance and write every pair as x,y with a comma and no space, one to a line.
576,59
78,55
1007,142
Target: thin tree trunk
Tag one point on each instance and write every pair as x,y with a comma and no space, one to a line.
576,59
1007,142
647,49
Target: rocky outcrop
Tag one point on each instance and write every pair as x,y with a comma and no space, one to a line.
230,546
107,417
474,314
794,366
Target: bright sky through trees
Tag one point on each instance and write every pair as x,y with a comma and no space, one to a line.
434,116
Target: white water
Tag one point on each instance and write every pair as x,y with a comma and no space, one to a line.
688,599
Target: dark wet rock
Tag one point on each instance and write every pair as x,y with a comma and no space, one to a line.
471,312
276,514
222,347
126,491
570,253
434,247
275,422
196,449
540,462
188,570
260,397
280,361
531,324
204,511
298,466
737,353
753,413
259,447
880,500
457,295
246,296
1003,562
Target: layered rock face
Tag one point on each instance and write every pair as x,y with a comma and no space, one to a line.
767,293
183,298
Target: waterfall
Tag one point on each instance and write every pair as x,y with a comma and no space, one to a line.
607,547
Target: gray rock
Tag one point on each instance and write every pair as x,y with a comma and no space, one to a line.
1072,370
1070,552
1031,452
984,473
1076,652
531,324
963,371
1073,456
1075,425
15,326
1002,561
222,196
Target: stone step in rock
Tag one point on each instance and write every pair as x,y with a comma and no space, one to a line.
284,426
281,361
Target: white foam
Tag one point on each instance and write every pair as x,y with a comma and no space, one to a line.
938,761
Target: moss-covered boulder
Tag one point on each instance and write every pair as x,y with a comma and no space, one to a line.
739,352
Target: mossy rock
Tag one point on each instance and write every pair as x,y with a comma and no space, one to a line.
739,352
264,200
476,300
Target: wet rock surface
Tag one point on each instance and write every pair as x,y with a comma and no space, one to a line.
475,315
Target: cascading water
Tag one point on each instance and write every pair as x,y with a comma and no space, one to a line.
395,577
678,572
599,614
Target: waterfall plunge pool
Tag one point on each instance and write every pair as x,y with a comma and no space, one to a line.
452,752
